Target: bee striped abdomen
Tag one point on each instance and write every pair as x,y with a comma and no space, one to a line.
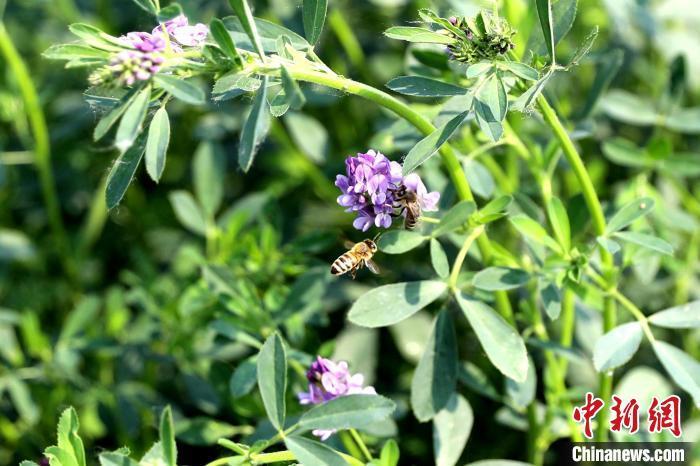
343,264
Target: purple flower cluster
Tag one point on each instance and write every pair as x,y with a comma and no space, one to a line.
178,30
329,380
369,188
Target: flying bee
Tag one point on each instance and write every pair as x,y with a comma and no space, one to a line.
359,255
407,200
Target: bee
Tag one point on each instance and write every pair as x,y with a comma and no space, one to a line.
359,255
407,200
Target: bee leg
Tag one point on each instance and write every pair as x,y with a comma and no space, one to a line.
353,272
403,208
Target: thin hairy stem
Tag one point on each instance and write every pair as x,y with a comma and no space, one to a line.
598,218
462,255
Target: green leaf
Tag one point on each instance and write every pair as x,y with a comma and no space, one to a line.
68,439
242,10
651,242
420,86
188,212
255,129
113,458
314,15
584,48
130,124
224,41
626,153
73,51
208,169
455,218
389,455
427,146
500,278
295,97
551,299
494,210
556,212
451,429
347,412
683,316
435,377
479,69
607,68
122,172
629,213
268,33
157,144
628,108
397,302
22,400
399,241
521,394
244,378
169,12
684,120
272,379
313,453
439,259
416,34
146,5
520,70
107,121
491,106
181,89
617,347
479,178
503,345
167,437
683,368
309,135
526,99
613,247
533,231
96,38
63,457
234,84
544,12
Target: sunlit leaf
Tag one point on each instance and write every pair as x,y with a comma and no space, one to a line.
272,379
683,316
451,429
617,346
397,302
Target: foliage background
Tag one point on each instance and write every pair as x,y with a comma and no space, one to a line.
137,326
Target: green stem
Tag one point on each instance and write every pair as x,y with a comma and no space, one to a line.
449,156
42,148
461,256
598,217
360,443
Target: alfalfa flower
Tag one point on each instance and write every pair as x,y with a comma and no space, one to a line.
127,67
183,33
146,42
329,380
369,189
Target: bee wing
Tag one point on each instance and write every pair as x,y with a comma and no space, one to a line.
348,244
372,266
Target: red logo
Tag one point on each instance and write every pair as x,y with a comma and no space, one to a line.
662,415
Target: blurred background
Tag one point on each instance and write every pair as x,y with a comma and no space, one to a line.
119,313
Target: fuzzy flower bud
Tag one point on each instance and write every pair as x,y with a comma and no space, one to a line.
127,67
485,37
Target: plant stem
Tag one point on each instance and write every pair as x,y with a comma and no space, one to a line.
461,256
596,211
42,148
360,443
449,156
